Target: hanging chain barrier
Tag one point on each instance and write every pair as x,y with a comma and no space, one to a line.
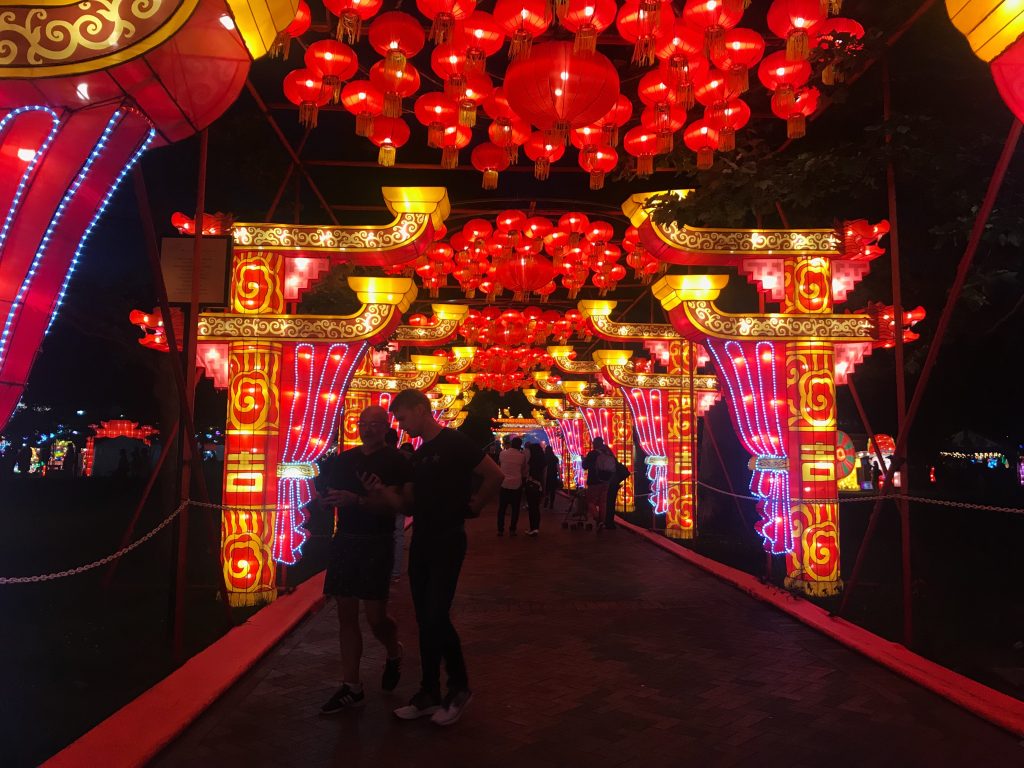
894,496
110,558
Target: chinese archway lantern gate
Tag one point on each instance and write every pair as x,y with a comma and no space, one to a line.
778,372
287,375
76,113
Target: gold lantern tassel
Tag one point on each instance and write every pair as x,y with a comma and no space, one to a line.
727,139
386,156
470,293
513,153
333,84
738,79
714,41
705,158
435,132
684,94
364,124
307,114
434,291
520,46
610,133
475,60
350,27
558,7
644,166
796,126
394,62
541,169
643,50
828,74
797,44
597,179
585,40
665,142
490,179
455,87
519,296
467,113
392,104
559,133
786,98
281,47
573,292
835,6
449,157
441,29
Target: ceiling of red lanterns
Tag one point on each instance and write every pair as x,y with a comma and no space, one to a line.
529,78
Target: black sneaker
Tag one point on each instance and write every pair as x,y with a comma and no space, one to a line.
422,704
392,671
455,704
343,698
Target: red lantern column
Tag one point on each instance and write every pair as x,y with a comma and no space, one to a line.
680,521
251,451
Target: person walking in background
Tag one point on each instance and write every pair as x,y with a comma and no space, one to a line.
444,470
552,477
391,441
368,484
536,469
512,461
600,466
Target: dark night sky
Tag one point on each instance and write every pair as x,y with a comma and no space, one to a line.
91,360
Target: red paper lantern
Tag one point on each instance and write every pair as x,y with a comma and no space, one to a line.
556,89
741,50
453,138
511,135
617,117
522,21
397,37
587,19
642,23
364,100
664,121
727,119
791,20
335,62
436,111
524,274
389,133
702,138
396,86
833,37
575,224
351,15
682,60
598,163
796,111
305,88
489,160
543,151
297,28
713,17
480,36
443,14
478,88
642,144
782,76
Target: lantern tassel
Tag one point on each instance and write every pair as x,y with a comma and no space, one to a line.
435,132
705,158
470,293
541,169
727,139
796,126
449,157
797,44
786,97
685,95
519,48
455,87
714,41
392,104
610,134
281,47
644,166
738,79
513,153
490,179
386,156
585,40
467,113
364,124
333,84
441,28
666,142
475,60
307,114
394,63
597,180
350,27
643,50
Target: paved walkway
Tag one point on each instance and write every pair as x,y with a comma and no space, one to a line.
597,650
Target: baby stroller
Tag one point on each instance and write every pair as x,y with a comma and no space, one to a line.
577,515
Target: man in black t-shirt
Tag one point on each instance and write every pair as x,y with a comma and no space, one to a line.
368,484
444,469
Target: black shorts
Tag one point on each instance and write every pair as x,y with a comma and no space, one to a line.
360,566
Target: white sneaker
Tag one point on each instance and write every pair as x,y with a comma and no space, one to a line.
533,532
454,705
420,705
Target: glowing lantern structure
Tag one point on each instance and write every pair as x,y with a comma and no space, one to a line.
993,28
778,372
522,21
397,37
352,14
334,61
76,113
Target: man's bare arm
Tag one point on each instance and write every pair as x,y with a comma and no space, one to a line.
491,477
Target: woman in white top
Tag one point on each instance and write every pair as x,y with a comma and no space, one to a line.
513,465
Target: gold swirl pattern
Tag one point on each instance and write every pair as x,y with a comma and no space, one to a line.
404,230
245,557
47,39
809,373
708,320
458,365
603,401
627,377
609,329
743,242
371,321
816,530
808,286
256,283
253,390
576,366
441,331
422,380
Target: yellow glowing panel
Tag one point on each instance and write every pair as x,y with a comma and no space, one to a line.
673,290
990,26
560,351
635,206
260,21
596,308
574,386
607,357
396,291
448,389
427,363
450,311
464,353
432,200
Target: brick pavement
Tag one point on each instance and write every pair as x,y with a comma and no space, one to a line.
596,650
